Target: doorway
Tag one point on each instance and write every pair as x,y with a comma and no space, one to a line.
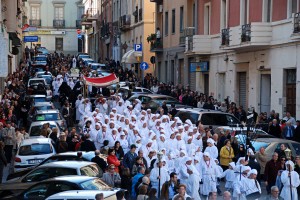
265,93
242,90
291,91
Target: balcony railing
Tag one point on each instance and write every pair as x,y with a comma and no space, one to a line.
156,45
105,30
91,12
187,32
140,14
78,23
35,22
225,37
125,22
297,22
246,33
58,23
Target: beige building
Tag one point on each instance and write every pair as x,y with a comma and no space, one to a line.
136,24
176,20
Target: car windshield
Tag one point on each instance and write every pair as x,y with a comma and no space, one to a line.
36,82
47,117
41,58
43,107
257,145
36,130
39,99
90,170
94,184
35,149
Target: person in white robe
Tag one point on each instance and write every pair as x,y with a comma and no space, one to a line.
184,172
209,173
113,137
190,147
197,140
103,106
147,147
162,142
120,108
102,135
180,144
94,135
138,144
178,161
230,176
171,141
193,183
77,103
289,179
137,105
251,186
239,191
155,178
74,62
71,83
211,149
123,142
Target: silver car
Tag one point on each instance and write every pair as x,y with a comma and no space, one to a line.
36,127
50,115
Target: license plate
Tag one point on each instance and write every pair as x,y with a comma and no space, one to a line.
35,161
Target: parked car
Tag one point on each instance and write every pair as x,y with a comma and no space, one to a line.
36,127
33,151
51,170
87,61
50,115
42,50
40,61
83,195
155,101
98,66
36,86
82,55
41,106
127,93
33,99
207,117
272,145
44,189
254,133
67,156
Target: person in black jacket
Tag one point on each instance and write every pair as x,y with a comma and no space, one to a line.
297,132
100,161
87,144
274,129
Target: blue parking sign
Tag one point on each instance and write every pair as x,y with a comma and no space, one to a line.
138,47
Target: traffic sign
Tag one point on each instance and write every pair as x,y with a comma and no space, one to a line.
138,47
31,38
78,31
152,59
144,66
79,36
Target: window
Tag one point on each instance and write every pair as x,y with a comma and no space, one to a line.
59,43
58,13
244,12
38,175
80,12
173,21
267,10
181,19
166,23
91,170
207,19
224,14
35,12
194,15
292,7
37,192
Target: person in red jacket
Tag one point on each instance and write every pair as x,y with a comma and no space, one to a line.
112,159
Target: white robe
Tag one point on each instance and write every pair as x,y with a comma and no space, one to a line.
230,176
285,179
112,139
213,151
78,114
154,174
209,177
239,191
193,183
250,186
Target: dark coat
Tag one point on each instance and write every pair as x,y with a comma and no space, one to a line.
87,145
275,130
271,171
101,162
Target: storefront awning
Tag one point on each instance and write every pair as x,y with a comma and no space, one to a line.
101,81
130,57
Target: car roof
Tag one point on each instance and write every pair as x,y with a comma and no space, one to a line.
277,140
127,87
35,140
82,194
36,79
196,110
46,103
68,164
37,96
152,95
47,111
42,123
72,178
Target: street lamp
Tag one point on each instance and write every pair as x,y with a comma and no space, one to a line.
288,155
159,157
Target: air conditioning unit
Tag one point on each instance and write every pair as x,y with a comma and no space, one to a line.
160,8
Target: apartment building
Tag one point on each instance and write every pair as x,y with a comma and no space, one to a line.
176,20
57,22
11,22
246,50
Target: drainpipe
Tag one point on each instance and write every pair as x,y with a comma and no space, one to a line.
196,17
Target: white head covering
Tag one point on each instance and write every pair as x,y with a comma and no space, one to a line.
289,162
210,141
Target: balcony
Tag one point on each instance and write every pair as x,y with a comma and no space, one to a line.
78,24
156,1
296,23
225,37
140,14
187,32
198,44
125,22
58,23
105,31
136,17
247,37
90,15
35,22
156,46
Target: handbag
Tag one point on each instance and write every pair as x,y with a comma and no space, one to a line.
255,195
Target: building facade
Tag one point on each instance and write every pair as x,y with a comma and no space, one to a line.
12,17
57,23
241,49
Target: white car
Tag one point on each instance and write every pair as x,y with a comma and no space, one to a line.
35,127
83,195
33,151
